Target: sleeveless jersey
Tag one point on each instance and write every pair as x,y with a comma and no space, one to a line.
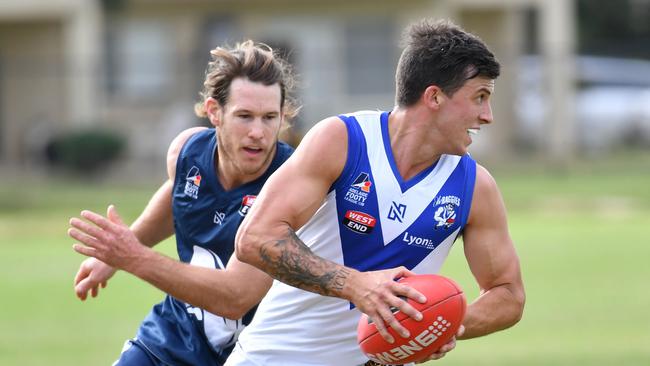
371,219
206,219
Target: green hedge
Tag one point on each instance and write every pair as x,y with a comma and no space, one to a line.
86,150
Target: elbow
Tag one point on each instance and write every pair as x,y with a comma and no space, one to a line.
247,244
518,303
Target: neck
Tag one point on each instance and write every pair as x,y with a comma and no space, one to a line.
413,140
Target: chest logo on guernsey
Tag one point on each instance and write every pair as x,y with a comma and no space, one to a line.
359,222
246,204
359,190
193,182
445,211
397,212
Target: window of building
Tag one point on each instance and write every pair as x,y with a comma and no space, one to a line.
139,58
370,56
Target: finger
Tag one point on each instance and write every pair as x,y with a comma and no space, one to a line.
389,319
403,306
104,283
87,228
408,291
87,251
84,238
112,215
82,289
97,219
402,271
396,304
434,356
461,331
93,291
81,274
381,328
447,347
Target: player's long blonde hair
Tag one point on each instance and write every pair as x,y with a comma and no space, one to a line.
257,62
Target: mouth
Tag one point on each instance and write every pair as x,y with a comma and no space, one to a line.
472,131
253,150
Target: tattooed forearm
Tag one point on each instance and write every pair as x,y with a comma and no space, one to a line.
289,260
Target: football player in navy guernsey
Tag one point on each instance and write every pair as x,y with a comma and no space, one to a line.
379,195
214,178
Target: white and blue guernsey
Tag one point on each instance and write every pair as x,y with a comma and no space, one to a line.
206,219
371,219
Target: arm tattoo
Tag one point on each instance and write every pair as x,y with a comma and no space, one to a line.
289,260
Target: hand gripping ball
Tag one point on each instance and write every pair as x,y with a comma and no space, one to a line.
442,315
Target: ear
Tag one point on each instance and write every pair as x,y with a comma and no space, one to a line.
213,110
433,97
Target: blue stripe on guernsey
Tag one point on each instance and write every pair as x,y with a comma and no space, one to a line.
468,194
363,244
404,185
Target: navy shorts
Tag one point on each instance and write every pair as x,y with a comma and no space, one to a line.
135,354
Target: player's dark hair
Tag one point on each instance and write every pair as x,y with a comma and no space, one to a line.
440,53
255,61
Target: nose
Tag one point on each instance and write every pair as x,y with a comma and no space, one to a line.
486,114
256,130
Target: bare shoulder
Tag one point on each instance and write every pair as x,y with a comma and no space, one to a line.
324,148
485,182
487,200
176,146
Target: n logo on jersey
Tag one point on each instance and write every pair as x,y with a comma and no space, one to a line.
445,211
359,190
246,204
359,222
397,212
193,182
219,217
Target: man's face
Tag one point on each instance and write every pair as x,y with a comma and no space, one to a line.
248,127
462,115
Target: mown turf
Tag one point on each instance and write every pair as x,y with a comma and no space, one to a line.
583,239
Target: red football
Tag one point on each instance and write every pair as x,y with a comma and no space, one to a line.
442,315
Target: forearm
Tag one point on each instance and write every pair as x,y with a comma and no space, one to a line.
495,309
211,289
289,260
156,222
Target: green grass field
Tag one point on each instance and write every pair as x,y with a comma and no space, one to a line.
583,239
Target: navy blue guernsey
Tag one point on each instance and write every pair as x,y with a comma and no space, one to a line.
206,219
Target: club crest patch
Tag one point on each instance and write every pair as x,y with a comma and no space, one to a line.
445,211
246,204
193,182
359,190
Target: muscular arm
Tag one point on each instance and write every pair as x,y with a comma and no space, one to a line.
493,261
154,225
230,293
267,239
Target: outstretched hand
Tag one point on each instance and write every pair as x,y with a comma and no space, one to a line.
106,238
92,275
378,294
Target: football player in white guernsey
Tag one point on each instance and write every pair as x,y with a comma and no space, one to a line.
413,188
415,158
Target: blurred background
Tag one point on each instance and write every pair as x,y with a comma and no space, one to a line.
92,92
